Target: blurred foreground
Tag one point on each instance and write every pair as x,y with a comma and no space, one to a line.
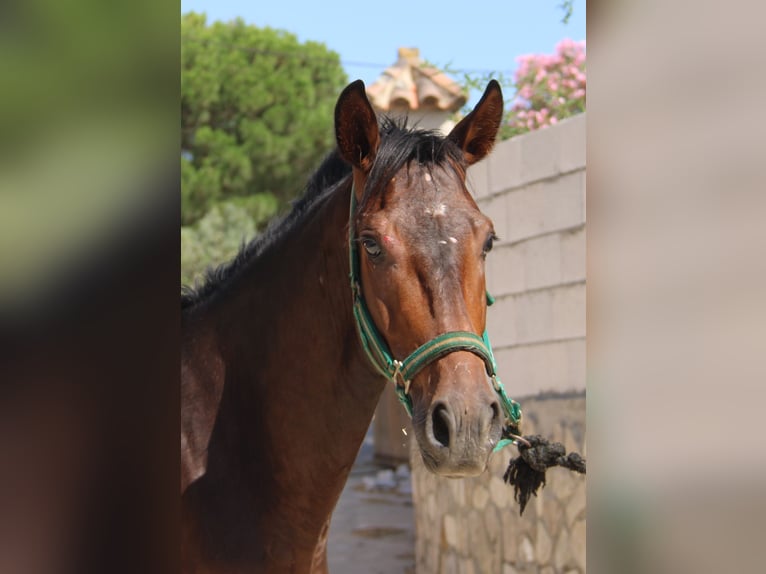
676,277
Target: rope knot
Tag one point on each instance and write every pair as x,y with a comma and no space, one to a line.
526,473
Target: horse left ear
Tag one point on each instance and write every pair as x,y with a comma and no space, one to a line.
356,127
475,134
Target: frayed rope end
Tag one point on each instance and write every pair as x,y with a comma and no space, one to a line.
526,472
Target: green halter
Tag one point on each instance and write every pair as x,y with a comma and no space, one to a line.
401,373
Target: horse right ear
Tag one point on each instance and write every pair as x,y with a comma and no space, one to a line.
476,133
356,127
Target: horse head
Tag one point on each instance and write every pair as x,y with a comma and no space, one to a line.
420,244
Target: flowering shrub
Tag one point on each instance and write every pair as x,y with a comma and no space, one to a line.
548,88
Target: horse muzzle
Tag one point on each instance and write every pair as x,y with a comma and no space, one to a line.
456,435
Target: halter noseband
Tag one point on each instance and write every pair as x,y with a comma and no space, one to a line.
401,373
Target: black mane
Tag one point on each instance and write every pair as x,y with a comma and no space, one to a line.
398,146
332,170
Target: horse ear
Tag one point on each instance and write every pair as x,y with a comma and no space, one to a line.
475,134
356,127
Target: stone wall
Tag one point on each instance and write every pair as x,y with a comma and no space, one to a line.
533,188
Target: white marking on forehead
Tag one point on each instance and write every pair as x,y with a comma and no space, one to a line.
440,209
427,177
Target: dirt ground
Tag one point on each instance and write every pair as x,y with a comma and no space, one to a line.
372,529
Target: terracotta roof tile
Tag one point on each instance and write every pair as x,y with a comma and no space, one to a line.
411,84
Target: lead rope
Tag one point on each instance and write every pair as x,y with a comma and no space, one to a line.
526,472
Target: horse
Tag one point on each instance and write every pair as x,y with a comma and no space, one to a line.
376,273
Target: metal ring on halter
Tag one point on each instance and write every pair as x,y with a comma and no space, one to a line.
397,376
521,439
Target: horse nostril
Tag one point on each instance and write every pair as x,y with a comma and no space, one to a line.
440,420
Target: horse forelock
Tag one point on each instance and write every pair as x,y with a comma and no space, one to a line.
400,146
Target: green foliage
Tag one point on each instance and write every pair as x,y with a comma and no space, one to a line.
567,6
256,120
214,239
256,112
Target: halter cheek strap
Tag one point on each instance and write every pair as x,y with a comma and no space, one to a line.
401,373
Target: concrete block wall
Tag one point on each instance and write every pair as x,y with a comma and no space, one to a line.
533,188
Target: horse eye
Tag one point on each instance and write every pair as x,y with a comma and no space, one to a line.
371,246
488,244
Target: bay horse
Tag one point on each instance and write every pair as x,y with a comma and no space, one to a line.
286,350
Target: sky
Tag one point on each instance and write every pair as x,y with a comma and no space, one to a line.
480,37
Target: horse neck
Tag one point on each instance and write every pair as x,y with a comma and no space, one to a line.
299,394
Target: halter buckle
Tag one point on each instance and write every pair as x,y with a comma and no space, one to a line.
356,290
398,378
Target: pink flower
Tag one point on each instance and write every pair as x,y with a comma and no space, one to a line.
547,85
565,44
526,92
